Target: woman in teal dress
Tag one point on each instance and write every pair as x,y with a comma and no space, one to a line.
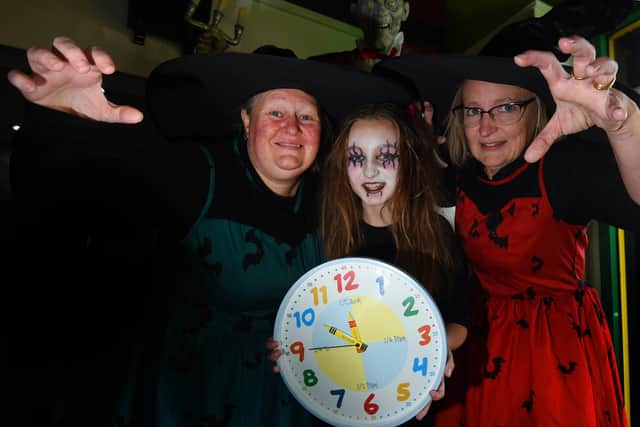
237,202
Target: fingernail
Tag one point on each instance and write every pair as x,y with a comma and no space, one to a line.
592,68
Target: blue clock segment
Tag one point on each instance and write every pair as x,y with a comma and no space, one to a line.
363,343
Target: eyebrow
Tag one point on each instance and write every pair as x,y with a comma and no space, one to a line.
276,98
495,102
386,144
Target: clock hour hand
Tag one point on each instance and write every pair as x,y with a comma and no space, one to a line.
354,330
346,337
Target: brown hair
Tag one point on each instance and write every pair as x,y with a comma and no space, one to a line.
456,140
418,230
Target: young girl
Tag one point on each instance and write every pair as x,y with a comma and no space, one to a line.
380,200
380,190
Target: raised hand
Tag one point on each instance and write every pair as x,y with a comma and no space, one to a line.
583,99
68,79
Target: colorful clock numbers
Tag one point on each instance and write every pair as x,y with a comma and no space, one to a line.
363,343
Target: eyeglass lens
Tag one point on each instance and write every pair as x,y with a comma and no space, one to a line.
503,114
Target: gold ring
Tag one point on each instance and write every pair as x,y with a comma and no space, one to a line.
607,86
577,77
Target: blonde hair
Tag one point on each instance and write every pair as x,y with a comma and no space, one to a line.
457,142
417,230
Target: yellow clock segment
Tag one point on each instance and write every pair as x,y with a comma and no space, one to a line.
363,343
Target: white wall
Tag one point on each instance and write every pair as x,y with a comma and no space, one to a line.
26,23
287,25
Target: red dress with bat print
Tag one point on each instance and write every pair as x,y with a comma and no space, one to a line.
539,350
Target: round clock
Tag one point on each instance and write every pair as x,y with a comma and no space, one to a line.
362,343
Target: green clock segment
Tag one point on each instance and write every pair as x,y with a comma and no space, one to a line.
363,343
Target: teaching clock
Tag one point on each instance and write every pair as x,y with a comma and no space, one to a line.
362,343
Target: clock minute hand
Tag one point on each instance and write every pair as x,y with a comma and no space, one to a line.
346,337
332,346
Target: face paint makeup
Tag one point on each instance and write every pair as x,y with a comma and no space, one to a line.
373,165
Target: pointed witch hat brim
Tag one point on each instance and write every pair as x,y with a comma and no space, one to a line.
436,78
200,96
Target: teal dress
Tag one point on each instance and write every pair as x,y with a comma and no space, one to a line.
244,252
235,249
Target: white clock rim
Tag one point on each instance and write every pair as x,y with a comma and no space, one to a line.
381,264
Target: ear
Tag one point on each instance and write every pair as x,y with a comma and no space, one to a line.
405,15
246,119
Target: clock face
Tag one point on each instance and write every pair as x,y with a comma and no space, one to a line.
362,343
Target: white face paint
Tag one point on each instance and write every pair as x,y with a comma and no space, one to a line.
373,167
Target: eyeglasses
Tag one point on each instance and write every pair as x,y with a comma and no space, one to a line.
503,114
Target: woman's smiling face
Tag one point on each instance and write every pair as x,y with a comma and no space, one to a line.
493,145
373,165
283,136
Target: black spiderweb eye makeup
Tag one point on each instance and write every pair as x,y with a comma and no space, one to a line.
356,156
389,155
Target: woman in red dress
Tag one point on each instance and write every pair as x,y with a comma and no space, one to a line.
539,351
